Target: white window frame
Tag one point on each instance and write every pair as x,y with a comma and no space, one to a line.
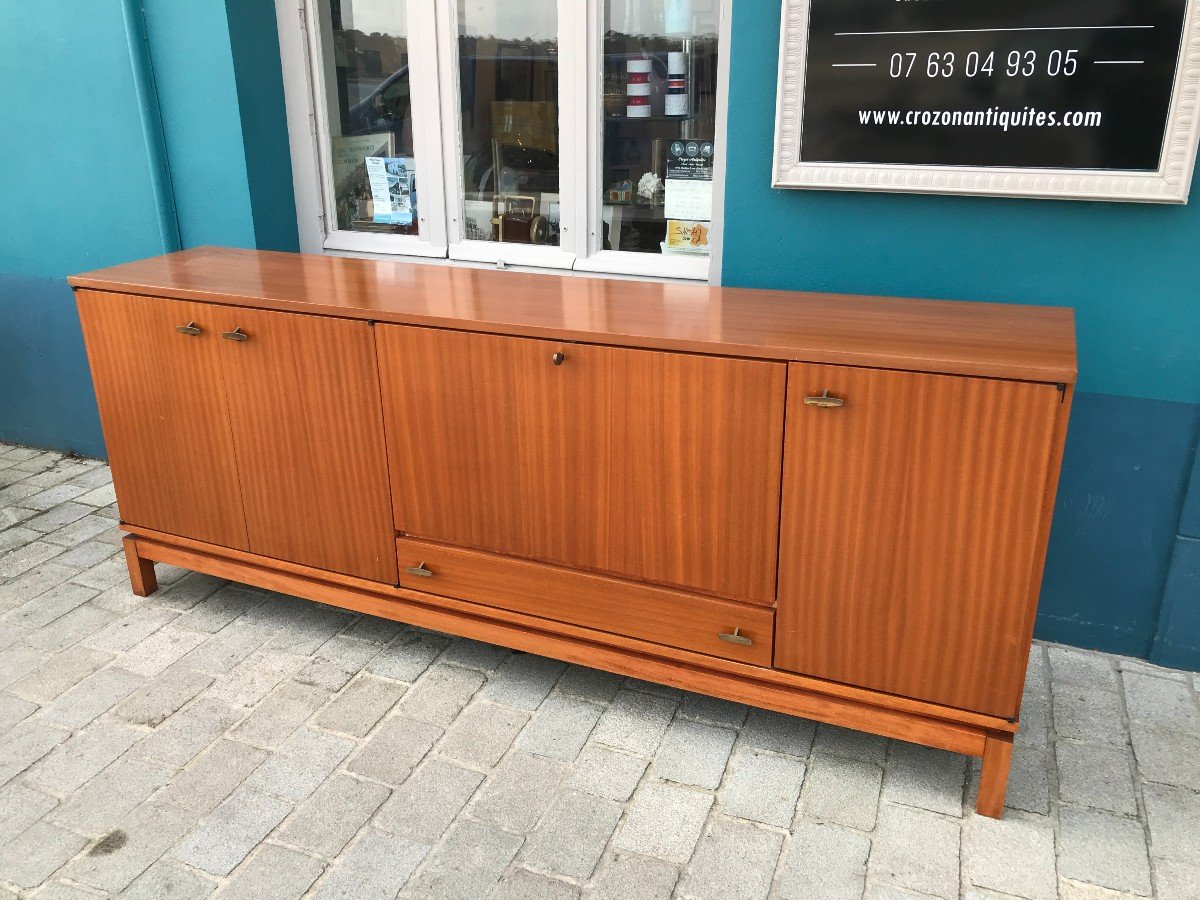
305,41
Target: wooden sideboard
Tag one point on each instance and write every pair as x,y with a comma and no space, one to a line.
831,506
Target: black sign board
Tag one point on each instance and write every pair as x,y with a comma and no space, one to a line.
1037,84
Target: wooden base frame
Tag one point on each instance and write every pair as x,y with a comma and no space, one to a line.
955,730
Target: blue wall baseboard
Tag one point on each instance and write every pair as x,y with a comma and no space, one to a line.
46,396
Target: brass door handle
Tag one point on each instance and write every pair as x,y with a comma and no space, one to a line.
236,335
421,569
825,401
558,358
736,638
190,328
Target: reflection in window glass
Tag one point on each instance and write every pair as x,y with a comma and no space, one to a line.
660,103
370,117
508,78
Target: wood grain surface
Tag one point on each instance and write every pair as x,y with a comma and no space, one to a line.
662,467
911,524
999,340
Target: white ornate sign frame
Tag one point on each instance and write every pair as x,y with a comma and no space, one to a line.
1170,184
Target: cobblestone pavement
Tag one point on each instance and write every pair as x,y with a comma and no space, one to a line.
219,739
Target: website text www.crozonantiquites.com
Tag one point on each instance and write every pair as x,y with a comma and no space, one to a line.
993,117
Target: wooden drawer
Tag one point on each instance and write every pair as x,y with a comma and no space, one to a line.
674,618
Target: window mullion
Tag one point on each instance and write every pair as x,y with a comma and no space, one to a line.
424,51
573,103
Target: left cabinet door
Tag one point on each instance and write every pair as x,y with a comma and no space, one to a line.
303,395
166,425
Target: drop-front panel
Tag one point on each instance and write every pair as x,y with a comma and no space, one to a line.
835,507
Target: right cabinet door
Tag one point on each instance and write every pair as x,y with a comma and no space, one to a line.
911,531
662,467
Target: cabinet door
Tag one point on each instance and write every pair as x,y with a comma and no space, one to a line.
662,467
162,405
910,531
304,403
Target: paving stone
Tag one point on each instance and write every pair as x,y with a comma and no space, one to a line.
274,720
96,694
85,529
274,873
1029,779
190,590
635,721
75,761
14,710
653,688
374,630
103,802
301,764
25,744
523,885
1103,849
1176,880
1166,757
19,661
1013,856
211,777
11,538
735,861
37,853
339,659
60,890
1086,715
394,750
1096,776
356,710
163,696
86,554
15,562
519,791
130,630
572,835
167,881
1161,702
164,647
79,623
831,740
825,861
560,727
925,778
333,815
228,835
622,876
842,791
523,680
189,731
589,684
664,821
917,850
408,656
607,773
105,575
43,608
713,710
57,517
20,807
1034,719
440,694
763,787
224,650
308,627
113,862
694,753
1173,814
467,864
482,733
254,677
428,801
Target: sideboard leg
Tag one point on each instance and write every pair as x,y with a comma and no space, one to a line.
993,781
141,571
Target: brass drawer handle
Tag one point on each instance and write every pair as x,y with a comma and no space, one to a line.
421,569
736,638
825,401
236,335
190,328
558,358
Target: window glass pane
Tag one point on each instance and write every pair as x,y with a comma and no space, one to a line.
660,106
508,79
370,117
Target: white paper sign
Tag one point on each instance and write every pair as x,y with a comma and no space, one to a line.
689,185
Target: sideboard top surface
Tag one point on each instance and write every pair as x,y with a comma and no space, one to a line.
997,340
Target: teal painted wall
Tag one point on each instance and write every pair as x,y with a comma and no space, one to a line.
1121,573
77,180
